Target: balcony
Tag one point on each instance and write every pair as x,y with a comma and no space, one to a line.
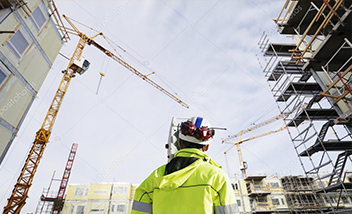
255,190
261,207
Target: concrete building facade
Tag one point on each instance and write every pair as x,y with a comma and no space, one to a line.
30,43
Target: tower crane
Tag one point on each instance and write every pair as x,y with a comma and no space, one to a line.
243,164
76,65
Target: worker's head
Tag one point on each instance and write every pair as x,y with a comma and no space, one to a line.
195,133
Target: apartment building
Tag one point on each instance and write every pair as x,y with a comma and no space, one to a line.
30,43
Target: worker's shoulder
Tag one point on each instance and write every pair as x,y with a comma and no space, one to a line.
159,171
212,170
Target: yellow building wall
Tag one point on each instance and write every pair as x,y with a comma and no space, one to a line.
14,99
77,192
99,191
133,190
121,191
115,204
98,207
72,207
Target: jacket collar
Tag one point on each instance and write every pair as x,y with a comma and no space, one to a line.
196,153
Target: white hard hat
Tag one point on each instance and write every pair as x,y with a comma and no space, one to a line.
196,130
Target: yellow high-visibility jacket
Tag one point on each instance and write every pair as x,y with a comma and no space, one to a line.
192,183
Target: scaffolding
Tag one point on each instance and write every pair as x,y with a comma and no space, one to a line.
316,69
16,4
57,20
299,195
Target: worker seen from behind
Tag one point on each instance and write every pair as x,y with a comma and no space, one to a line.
192,182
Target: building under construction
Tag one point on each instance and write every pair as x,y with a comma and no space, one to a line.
30,44
314,74
99,198
310,80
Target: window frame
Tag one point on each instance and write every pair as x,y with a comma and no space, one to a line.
35,22
118,192
72,209
119,206
275,201
345,200
282,201
13,48
274,185
6,73
79,190
78,207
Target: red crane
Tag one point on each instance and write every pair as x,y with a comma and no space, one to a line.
53,204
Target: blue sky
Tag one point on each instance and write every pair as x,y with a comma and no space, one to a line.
205,51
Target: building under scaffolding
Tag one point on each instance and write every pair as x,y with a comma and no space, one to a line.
315,71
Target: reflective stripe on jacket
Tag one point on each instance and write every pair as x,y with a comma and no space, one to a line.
201,187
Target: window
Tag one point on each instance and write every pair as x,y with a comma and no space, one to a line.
3,77
261,200
275,201
72,209
18,44
80,210
120,208
235,186
113,208
79,192
345,200
238,203
274,184
333,200
100,192
282,201
38,18
87,190
120,190
97,210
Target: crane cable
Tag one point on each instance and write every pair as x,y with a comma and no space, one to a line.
101,75
105,37
111,42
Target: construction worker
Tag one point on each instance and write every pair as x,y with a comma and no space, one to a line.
192,182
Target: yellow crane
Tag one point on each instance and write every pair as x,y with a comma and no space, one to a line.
243,164
76,65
